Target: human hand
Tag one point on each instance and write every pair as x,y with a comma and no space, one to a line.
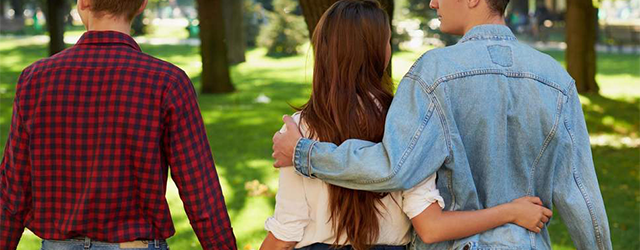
284,143
529,212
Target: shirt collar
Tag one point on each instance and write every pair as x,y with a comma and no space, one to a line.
488,32
108,37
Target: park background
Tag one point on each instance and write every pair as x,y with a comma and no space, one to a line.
268,66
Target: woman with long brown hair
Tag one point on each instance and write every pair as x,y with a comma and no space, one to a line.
351,96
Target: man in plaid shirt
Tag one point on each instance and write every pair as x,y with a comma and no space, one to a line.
94,132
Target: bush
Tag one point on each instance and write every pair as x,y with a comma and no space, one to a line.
254,16
284,30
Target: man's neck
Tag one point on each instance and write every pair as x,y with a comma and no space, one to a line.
108,23
495,19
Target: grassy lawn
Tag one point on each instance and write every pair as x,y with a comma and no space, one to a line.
240,127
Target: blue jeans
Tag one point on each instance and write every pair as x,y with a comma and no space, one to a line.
320,246
97,245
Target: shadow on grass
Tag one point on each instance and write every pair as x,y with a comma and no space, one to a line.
184,237
606,115
608,63
240,132
12,62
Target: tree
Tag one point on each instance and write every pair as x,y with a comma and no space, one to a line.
233,20
215,65
55,24
18,7
254,16
581,35
2,11
313,10
520,6
284,31
138,26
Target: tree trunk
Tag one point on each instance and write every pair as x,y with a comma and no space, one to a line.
232,14
581,39
18,7
55,24
68,19
2,9
213,49
312,10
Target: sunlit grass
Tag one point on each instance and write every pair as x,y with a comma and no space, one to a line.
240,126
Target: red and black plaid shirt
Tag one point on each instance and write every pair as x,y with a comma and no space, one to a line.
93,133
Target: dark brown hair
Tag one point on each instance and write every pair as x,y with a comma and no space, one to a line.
498,6
350,99
117,8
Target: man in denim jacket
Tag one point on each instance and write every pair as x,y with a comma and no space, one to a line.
496,119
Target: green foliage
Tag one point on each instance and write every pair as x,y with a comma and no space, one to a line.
419,9
284,31
138,27
254,16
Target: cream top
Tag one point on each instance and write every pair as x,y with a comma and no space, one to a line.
302,209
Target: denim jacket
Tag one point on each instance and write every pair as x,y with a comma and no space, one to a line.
497,120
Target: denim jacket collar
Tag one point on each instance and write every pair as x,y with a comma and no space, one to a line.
488,32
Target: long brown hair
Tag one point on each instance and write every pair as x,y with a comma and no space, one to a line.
350,99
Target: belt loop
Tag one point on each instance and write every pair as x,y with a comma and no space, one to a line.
156,244
87,243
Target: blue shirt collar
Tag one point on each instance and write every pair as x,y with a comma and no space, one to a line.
488,32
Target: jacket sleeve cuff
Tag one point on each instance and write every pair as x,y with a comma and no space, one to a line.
302,157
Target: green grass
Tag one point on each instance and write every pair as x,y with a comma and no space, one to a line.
240,131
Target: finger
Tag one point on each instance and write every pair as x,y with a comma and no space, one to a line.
540,224
547,212
535,200
276,136
278,164
545,219
538,230
276,155
290,123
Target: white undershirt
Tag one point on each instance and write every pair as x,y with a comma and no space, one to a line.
302,209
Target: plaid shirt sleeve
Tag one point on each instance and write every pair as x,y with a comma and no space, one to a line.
193,169
15,178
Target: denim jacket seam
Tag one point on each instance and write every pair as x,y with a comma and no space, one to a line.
428,89
552,134
447,135
569,89
489,37
547,140
409,73
488,71
578,179
423,85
